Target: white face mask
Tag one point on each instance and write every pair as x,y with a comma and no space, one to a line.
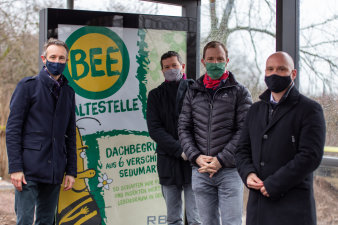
173,75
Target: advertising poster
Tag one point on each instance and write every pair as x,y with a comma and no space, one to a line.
112,70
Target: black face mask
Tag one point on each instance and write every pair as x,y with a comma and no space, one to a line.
277,83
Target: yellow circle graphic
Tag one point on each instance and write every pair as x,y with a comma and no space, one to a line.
95,72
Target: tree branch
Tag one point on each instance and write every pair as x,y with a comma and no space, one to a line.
320,43
249,29
330,62
213,17
335,17
226,15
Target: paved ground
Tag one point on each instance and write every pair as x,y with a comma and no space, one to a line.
7,214
326,199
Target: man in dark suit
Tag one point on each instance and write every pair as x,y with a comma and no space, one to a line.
281,144
40,137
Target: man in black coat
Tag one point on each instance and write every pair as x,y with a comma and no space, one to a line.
40,138
281,144
163,107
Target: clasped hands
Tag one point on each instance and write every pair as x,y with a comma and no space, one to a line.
208,164
254,182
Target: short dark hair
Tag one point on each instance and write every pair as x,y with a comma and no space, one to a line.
170,54
53,41
215,44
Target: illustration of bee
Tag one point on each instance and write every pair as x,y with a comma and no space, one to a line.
77,206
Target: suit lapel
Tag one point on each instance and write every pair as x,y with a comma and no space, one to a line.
284,108
280,112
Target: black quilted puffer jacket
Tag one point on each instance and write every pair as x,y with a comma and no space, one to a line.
211,124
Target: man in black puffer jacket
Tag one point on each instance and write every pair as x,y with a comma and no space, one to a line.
212,116
163,107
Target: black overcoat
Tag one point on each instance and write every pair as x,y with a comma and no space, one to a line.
283,153
163,107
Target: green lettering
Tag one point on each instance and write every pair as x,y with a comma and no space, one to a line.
128,106
73,55
121,150
148,146
81,113
122,109
109,105
111,61
108,152
142,170
126,150
135,108
132,149
148,169
116,106
94,62
115,152
153,168
87,107
94,108
102,107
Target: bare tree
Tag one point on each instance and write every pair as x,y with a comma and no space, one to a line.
18,54
229,19
318,56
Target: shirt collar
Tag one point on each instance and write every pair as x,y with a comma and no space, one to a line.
272,100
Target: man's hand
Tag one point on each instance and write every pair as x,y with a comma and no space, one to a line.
216,165
210,167
264,192
184,157
203,160
69,181
252,181
17,179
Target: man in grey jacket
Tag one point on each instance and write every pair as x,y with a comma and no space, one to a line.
212,116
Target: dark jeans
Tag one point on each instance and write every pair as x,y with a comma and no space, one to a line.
39,197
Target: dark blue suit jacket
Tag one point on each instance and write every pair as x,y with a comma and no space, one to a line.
40,132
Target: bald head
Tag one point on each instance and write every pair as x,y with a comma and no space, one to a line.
282,56
280,63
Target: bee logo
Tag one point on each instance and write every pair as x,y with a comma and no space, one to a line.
98,62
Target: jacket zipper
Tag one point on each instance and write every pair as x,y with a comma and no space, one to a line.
211,107
209,124
210,115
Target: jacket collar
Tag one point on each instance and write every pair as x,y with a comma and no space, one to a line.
291,94
229,82
288,101
46,79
